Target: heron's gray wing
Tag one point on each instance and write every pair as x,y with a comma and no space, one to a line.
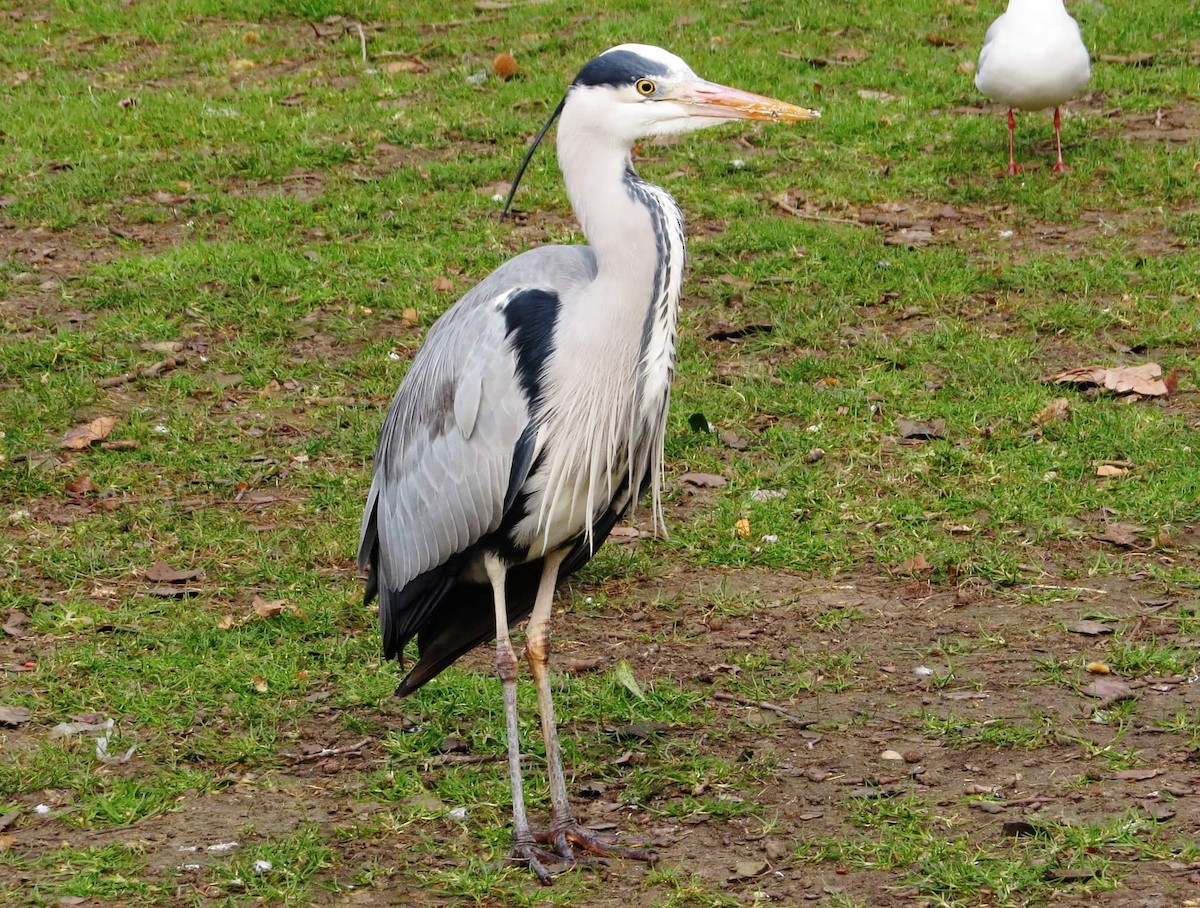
459,436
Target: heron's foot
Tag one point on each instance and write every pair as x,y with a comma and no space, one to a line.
543,863
1014,168
1060,167
570,839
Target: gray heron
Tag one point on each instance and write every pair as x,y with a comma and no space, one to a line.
1033,57
533,416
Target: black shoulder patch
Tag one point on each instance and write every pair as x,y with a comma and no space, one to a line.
530,318
617,68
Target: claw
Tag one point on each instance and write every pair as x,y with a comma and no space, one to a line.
530,855
603,845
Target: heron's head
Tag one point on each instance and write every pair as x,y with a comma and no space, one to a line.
635,91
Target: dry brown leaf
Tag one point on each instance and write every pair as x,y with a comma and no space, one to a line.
915,428
1128,59
871,94
88,434
260,684
406,66
1088,628
443,285
1108,469
15,622
1097,668
265,609
161,572
7,842
918,565
745,870
14,715
1122,534
225,622
742,527
1055,411
1145,380
1108,690
80,486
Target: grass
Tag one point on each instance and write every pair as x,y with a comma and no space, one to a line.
231,175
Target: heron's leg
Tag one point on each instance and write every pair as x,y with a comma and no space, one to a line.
565,830
1059,166
524,846
1013,169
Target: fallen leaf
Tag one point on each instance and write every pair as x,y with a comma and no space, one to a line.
871,94
225,622
88,434
14,715
1108,690
260,684
1108,469
1128,59
406,66
918,565
1055,411
162,347
1122,534
917,235
7,842
15,622
745,870
913,428
80,486
161,572
443,285
265,609
623,672
641,730
704,480
1088,628
742,527
1144,379
174,592
893,756
1097,668
1156,811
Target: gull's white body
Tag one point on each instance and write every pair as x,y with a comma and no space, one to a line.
1033,56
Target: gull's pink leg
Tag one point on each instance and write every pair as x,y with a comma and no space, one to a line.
1059,167
1013,169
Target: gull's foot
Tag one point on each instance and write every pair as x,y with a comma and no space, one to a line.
573,837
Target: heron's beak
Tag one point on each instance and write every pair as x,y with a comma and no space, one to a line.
720,102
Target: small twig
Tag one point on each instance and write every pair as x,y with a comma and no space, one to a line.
352,750
362,40
458,759
163,365
763,704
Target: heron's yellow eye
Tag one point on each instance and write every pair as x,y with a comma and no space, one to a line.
645,87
